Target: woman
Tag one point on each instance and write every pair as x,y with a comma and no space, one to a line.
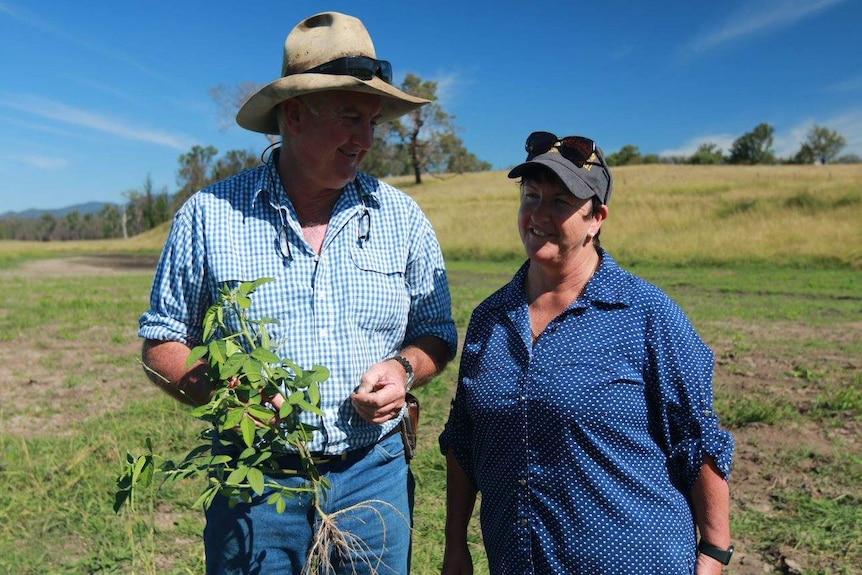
583,413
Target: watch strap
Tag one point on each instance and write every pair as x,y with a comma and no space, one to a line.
721,555
408,368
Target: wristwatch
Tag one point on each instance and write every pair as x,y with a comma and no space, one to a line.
717,553
407,367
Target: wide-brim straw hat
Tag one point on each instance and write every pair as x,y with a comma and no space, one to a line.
317,40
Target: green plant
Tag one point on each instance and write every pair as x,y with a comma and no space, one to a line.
246,431
747,410
247,375
801,372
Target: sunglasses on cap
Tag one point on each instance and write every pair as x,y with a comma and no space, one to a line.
576,149
361,67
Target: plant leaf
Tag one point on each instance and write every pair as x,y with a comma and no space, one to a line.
247,426
197,353
237,475
255,479
320,373
265,355
234,417
217,351
206,498
260,413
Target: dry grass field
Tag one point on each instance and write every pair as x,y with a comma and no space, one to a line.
681,214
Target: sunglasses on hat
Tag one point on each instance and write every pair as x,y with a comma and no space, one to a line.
361,67
576,149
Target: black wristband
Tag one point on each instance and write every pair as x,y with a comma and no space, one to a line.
717,553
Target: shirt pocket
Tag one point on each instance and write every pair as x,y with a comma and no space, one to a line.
379,298
599,385
244,251
240,264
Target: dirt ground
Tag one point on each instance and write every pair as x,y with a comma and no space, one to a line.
761,464
42,368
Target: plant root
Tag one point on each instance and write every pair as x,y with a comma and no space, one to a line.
332,546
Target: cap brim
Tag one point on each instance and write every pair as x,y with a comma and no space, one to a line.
258,113
564,169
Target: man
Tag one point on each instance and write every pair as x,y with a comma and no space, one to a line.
360,288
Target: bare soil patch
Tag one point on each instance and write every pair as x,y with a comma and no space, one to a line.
45,381
86,265
784,457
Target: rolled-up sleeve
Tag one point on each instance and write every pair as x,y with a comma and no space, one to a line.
681,369
177,302
428,286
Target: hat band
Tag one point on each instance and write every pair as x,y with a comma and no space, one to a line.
361,67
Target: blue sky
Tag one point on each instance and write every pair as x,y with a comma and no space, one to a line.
96,96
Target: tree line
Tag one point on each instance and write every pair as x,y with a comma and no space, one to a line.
425,141
821,146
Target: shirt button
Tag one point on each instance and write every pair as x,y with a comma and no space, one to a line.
525,522
522,481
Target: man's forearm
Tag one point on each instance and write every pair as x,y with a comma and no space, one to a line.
165,364
428,355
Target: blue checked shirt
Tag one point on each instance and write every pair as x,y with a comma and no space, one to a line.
585,445
377,284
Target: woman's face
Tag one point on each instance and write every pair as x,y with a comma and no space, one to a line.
555,226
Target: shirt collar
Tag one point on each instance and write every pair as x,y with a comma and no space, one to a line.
608,286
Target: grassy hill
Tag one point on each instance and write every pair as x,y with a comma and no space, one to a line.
801,215
712,215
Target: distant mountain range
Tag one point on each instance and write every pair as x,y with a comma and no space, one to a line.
83,209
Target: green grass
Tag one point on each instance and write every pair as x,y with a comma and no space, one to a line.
825,515
58,486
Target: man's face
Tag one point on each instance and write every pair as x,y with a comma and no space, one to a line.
333,135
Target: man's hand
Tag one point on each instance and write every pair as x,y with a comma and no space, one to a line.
381,392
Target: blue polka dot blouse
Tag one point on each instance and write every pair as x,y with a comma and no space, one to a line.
585,445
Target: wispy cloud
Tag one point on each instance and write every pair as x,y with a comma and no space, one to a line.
786,142
448,88
42,162
722,141
46,128
70,36
757,17
59,112
848,124
847,85
102,87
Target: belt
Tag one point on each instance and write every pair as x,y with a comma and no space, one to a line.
291,463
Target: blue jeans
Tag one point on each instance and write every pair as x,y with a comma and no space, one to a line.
254,539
